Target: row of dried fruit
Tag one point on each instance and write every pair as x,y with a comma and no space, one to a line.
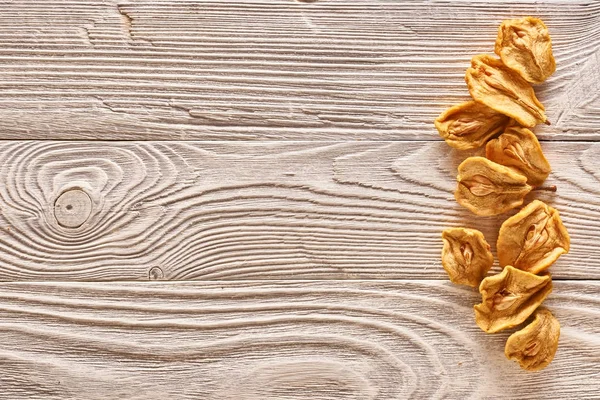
530,241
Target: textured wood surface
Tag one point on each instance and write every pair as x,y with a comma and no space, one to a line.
355,192
271,69
267,210
318,340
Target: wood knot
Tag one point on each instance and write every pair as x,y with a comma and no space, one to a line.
72,208
156,274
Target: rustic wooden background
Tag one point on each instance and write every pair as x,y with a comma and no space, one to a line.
276,162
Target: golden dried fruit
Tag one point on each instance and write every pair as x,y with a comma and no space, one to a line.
494,84
469,125
466,256
535,345
509,298
519,149
533,238
524,45
487,188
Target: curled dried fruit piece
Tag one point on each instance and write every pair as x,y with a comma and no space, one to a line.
519,149
466,256
469,125
524,45
487,188
533,238
494,84
535,345
509,298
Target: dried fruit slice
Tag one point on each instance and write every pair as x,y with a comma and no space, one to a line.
535,345
509,298
469,125
494,84
487,188
519,149
524,45
466,256
533,238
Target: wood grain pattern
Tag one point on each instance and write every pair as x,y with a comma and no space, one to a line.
271,69
189,210
321,340
314,73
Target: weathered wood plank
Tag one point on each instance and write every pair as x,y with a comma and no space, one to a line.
321,340
264,210
271,69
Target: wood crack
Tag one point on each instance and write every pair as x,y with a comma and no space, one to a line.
127,22
87,37
105,104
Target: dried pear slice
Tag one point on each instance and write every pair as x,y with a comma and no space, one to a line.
533,239
469,125
487,188
518,148
509,298
494,84
466,256
524,45
535,345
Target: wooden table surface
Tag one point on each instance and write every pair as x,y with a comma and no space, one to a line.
243,199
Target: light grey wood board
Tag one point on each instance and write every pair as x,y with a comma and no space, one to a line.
252,340
272,69
262,210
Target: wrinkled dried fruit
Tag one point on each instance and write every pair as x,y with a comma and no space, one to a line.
533,239
535,345
524,45
487,188
494,84
519,149
466,256
469,125
509,298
